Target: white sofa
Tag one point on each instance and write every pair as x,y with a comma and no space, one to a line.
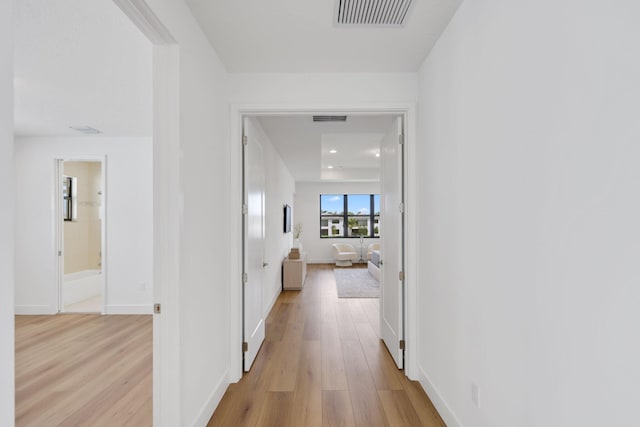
372,247
373,265
344,254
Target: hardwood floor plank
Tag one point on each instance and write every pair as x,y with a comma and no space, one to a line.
307,401
345,322
367,408
336,409
398,408
334,376
276,409
422,404
385,373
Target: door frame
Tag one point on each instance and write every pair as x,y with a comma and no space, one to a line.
59,228
408,113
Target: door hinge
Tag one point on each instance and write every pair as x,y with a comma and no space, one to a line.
245,209
401,207
245,346
245,140
401,139
402,344
157,308
245,278
59,253
401,275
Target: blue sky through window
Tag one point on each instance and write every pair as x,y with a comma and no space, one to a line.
332,204
358,204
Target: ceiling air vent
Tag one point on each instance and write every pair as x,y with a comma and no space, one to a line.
87,130
372,12
329,118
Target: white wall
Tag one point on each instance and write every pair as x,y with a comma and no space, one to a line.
529,214
198,374
129,221
7,385
279,189
331,89
307,211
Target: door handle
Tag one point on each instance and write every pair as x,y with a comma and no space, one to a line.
264,264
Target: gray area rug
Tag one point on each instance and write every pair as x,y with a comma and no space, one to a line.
356,283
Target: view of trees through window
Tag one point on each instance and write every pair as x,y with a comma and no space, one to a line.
349,215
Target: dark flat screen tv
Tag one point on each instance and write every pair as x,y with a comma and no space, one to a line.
287,219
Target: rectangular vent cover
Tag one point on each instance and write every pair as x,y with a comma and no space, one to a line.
329,118
372,12
87,130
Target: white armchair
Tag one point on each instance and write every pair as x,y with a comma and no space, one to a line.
372,247
344,254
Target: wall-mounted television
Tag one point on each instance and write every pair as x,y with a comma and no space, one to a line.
287,219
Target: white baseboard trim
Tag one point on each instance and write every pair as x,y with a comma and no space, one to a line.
129,309
207,410
35,310
448,416
271,304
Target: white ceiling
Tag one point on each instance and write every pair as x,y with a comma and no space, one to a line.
304,146
299,36
80,63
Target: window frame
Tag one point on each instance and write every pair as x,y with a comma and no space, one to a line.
371,217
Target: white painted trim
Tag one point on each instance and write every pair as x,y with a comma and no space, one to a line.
146,21
129,309
446,413
235,206
59,227
271,304
36,309
167,225
207,410
411,243
321,261
167,217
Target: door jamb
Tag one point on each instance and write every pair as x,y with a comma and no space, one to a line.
59,172
408,112
167,215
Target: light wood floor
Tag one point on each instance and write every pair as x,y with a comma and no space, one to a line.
83,370
322,364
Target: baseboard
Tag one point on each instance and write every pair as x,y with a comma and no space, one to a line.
273,301
35,310
321,261
209,407
447,414
129,309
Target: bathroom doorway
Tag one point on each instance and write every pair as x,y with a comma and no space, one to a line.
81,225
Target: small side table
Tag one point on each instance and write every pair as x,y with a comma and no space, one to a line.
294,271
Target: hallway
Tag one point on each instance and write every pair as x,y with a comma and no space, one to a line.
322,364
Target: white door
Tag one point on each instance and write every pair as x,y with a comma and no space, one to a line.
254,223
391,242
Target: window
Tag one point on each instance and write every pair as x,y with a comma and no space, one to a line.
349,215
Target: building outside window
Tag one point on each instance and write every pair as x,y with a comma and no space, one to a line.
349,215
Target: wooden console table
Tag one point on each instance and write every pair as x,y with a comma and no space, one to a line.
294,271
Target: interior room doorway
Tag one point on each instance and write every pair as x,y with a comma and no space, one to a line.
81,222
393,310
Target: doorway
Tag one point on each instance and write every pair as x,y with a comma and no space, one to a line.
402,329
81,220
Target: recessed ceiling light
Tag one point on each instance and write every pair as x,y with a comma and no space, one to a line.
329,167
377,154
333,151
